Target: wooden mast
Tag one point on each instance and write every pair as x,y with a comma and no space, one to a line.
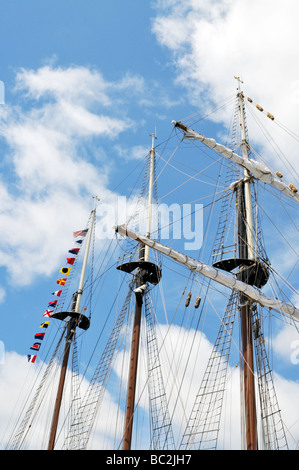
69,336
246,251
132,375
76,319
141,276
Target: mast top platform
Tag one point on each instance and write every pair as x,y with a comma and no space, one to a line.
150,272
82,321
254,271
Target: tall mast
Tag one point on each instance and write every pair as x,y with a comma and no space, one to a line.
246,251
247,178
150,196
76,320
146,271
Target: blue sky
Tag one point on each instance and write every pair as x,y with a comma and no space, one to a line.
86,83
73,32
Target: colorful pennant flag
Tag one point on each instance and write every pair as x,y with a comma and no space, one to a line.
65,271
53,303
45,324
39,336
36,346
70,260
74,251
61,281
48,313
57,293
31,358
80,233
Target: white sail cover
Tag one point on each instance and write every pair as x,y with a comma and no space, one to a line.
222,277
257,169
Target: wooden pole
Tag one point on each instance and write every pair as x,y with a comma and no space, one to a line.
72,324
132,377
248,377
137,317
246,325
70,333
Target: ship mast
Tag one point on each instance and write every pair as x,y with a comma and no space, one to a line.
146,271
246,252
252,273
150,197
76,319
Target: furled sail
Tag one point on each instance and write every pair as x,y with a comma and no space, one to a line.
222,277
257,169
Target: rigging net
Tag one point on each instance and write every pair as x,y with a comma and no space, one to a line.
274,435
204,423
162,434
82,424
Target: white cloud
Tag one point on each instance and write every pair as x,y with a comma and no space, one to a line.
286,344
182,372
213,41
184,356
75,84
43,169
217,46
2,294
19,382
137,152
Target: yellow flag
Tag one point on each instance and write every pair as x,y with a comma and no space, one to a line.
65,271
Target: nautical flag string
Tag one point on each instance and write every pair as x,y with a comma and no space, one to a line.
53,304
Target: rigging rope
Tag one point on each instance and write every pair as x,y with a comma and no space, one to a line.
273,144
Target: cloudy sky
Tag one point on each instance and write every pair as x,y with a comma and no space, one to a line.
86,83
